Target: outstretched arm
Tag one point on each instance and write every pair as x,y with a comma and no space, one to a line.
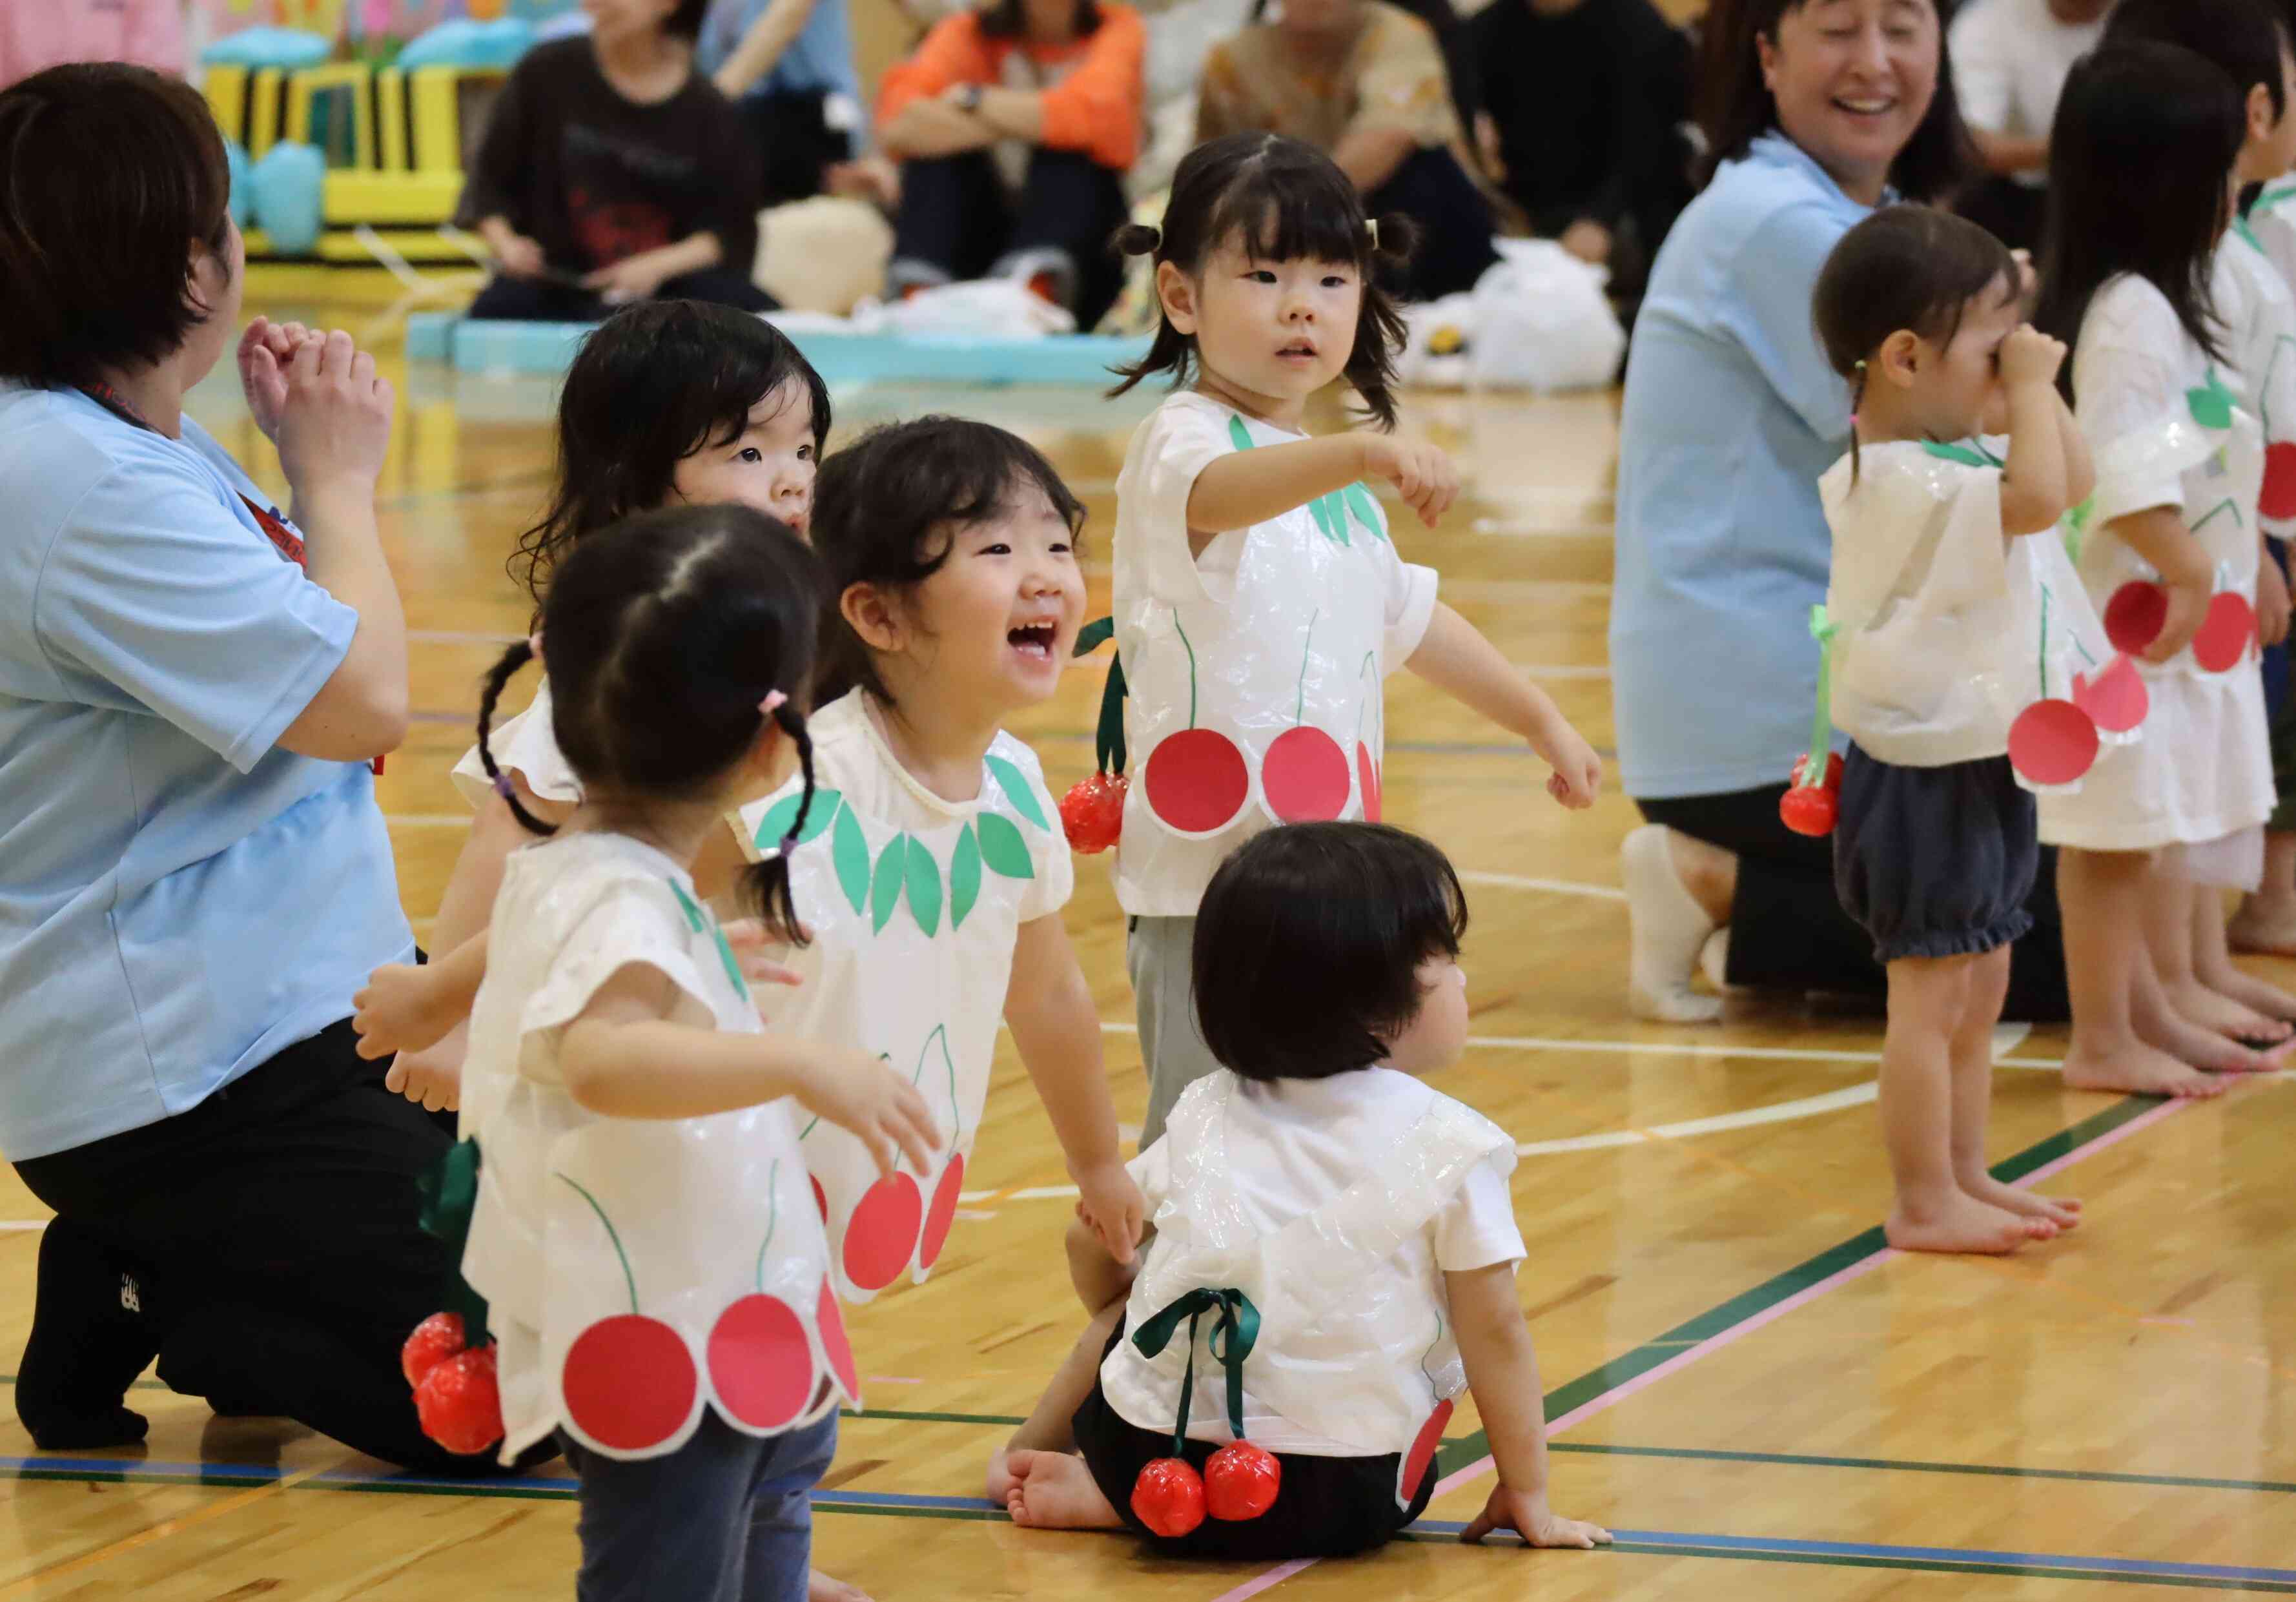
1456,658
1048,1007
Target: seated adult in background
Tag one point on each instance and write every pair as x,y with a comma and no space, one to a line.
787,65
612,171
1365,83
2011,58
38,34
1014,126
1579,110
192,690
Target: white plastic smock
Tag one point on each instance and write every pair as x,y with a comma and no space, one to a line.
525,745
2167,432
1355,1349
2258,310
636,1271
1257,669
914,904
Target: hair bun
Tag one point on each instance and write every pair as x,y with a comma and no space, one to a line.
1138,239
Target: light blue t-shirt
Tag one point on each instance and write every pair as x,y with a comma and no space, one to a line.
818,61
180,901
1731,415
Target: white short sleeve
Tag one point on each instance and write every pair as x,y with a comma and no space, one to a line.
1176,443
524,746
1410,608
1151,1171
1476,1227
1055,877
631,924
2127,378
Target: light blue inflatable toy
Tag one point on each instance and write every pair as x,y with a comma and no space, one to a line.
496,44
234,156
252,47
287,194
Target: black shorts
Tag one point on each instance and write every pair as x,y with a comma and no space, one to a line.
1325,1507
1935,861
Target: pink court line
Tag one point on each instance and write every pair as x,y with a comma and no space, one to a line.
1715,1343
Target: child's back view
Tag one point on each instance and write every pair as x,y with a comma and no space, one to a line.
1344,1228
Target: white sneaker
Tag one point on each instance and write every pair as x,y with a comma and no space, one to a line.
1668,929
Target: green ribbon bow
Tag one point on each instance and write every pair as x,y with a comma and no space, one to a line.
450,1195
1821,628
1234,1335
1108,746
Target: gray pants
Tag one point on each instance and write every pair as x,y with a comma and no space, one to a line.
726,1518
1160,953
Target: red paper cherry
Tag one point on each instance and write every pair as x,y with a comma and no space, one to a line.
942,1213
1091,813
760,1363
1833,780
1305,777
2278,500
629,1382
834,1345
1421,1455
820,1198
2134,616
1241,1481
2052,743
1809,810
436,1339
1168,1498
2116,699
458,1404
1196,781
882,1232
1367,780
2226,632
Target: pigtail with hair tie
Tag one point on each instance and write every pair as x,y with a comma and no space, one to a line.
1138,239
497,676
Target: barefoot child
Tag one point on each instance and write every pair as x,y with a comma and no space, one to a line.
1942,608
1351,1227
654,1272
1259,600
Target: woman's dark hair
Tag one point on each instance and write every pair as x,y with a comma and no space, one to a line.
107,175
1308,944
665,634
653,385
1007,20
1905,267
2242,38
2140,162
1735,107
1282,200
886,509
686,21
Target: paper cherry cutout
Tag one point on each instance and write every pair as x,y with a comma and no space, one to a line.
459,1403
2279,501
882,1232
820,1198
1168,1498
1241,1481
761,1362
2053,742
1196,781
1091,813
436,1339
1367,780
834,1343
942,1213
1304,776
629,1381
2116,699
2136,615
2225,634
1809,808
1421,1455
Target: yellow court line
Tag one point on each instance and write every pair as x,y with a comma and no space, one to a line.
155,1532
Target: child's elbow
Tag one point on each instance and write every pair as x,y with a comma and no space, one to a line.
2024,514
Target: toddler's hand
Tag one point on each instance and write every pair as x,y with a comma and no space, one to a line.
1528,1515
1423,475
750,942
860,1094
401,1010
2029,357
2271,602
431,1079
520,257
2188,609
1111,1207
1578,776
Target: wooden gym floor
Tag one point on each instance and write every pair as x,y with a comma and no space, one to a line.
1757,1396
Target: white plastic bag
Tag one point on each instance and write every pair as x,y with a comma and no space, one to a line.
1542,322
1442,332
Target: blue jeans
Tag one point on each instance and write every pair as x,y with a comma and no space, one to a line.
726,1518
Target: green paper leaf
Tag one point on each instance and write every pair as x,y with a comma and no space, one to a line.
1093,635
724,951
963,877
1366,509
1018,791
923,878
2212,404
1239,433
1001,847
885,887
783,813
848,853
1962,453
685,905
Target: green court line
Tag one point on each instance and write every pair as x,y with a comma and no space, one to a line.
1455,1455
1908,1465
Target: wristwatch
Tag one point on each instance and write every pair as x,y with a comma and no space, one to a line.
968,99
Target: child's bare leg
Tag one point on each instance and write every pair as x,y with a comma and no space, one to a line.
2213,962
1026,1468
2172,914
2160,1025
1103,1284
1972,1100
2103,896
2265,922
1054,1491
1928,996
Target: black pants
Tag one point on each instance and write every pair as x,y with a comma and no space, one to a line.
959,217
264,1245
795,144
1788,930
509,299
1454,223
2011,211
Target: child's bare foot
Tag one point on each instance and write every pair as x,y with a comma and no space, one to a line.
2265,928
2172,1034
2259,995
1961,1223
2134,1068
1054,1491
2222,1013
2064,1212
820,1588
1001,1478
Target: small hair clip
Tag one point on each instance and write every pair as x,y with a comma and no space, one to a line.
788,847
773,703
502,787
1860,365
1371,226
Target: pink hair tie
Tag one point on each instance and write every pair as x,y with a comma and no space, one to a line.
773,703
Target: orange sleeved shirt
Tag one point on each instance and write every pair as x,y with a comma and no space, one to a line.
1094,91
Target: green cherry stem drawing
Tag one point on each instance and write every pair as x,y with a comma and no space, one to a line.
1182,629
772,1219
1299,705
2222,506
613,1235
